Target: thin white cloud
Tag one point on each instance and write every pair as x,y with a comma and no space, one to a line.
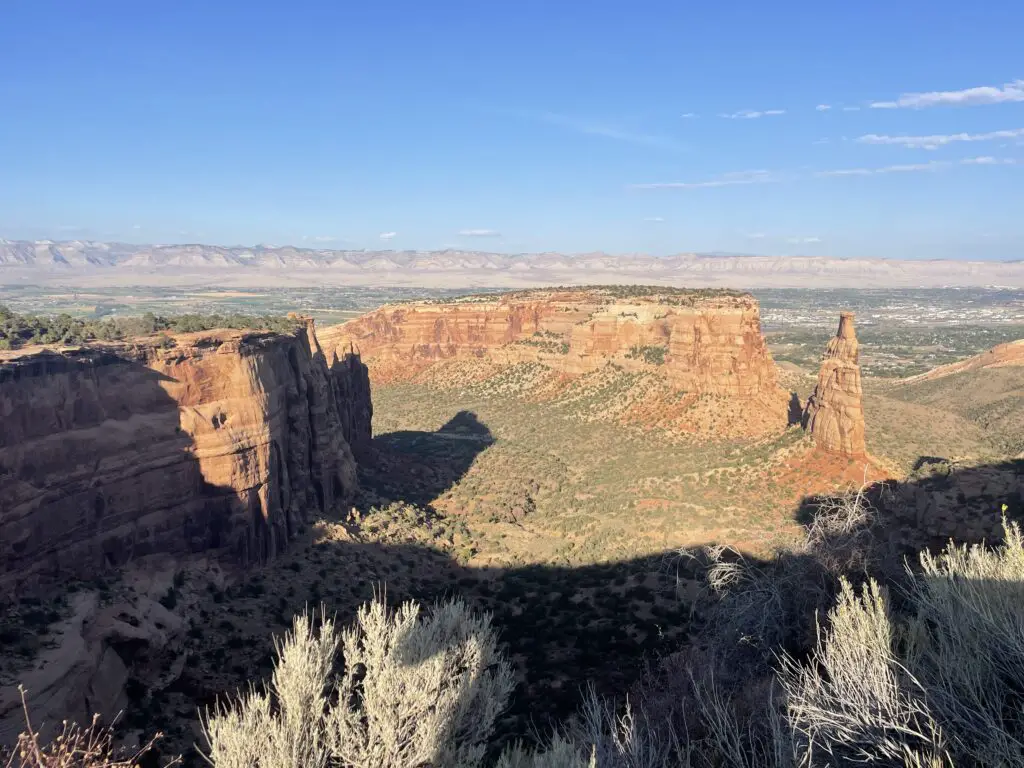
851,109
751,114
688,115
479,233
968,97
136,226
756,236
725,180
939,140
610,131
822,141
906,168
388,235
803,240
988,160
654,219
823,107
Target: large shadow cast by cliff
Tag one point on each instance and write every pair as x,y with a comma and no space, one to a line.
795,413
562,627
417,467
939,501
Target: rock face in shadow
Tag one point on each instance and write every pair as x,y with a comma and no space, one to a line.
350,379
834,414
224,442
706,342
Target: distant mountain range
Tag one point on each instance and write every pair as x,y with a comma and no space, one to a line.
94,263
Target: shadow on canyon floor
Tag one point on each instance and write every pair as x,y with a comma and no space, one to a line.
796,410
417,467
563,627
938,501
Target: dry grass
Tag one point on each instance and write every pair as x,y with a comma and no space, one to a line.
75,746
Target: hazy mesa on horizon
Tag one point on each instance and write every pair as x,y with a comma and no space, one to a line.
97,263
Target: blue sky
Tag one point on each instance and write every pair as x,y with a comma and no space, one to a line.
660,127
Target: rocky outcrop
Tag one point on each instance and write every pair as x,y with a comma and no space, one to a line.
834,414
93,653
220,441
350,379
707,342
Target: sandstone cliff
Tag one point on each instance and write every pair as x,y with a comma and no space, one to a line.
350,380
834,414
707,342
225,441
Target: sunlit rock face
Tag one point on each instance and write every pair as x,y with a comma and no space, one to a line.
220,441
706,342
835,414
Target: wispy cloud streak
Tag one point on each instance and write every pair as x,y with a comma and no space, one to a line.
726,180
934,165
751,114
968,97
611,131
939,140
479,233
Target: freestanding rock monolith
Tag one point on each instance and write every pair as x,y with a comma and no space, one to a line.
834,414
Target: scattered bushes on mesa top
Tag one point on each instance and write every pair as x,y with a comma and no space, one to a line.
17,330
650,355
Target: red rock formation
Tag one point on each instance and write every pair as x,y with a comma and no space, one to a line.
225,441
703,342
834,414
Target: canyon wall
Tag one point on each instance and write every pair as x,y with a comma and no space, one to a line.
350,381
218,441
702,341
834,414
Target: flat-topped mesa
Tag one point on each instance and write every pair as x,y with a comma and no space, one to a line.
222,441
835,414
703,341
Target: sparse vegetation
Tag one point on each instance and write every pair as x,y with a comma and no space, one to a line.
928,681
18,330
650,355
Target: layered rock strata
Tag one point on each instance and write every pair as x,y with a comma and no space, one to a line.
707,342
221,441
834,414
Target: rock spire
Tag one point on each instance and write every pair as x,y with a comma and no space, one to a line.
835,414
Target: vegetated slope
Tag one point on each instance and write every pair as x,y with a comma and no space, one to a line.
985,391
902,431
